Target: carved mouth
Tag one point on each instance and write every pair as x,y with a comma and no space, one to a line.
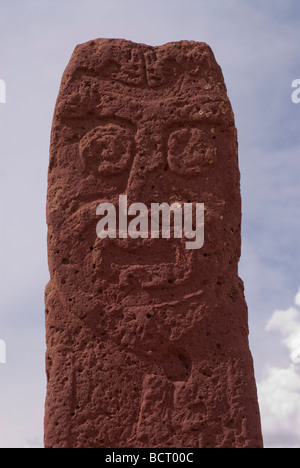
148,262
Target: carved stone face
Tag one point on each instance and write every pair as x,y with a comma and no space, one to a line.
132,126
154,124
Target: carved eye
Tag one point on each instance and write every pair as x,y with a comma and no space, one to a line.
107,149
190,150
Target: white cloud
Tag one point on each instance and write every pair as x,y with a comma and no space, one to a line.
279,392
280,406
297,298
287,322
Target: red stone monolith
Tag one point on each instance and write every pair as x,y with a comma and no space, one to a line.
147,342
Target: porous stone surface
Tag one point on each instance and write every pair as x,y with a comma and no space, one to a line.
147,342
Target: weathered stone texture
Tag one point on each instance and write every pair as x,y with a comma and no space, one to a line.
147,342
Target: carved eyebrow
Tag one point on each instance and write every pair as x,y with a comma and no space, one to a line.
82,125
205,124
99,120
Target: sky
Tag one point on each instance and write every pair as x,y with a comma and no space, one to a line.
257,43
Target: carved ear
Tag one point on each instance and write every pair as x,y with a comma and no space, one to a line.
187,65
108,59
127,65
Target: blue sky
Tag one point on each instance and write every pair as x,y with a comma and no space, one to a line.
256,42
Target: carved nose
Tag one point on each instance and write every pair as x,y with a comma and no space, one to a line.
146,180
